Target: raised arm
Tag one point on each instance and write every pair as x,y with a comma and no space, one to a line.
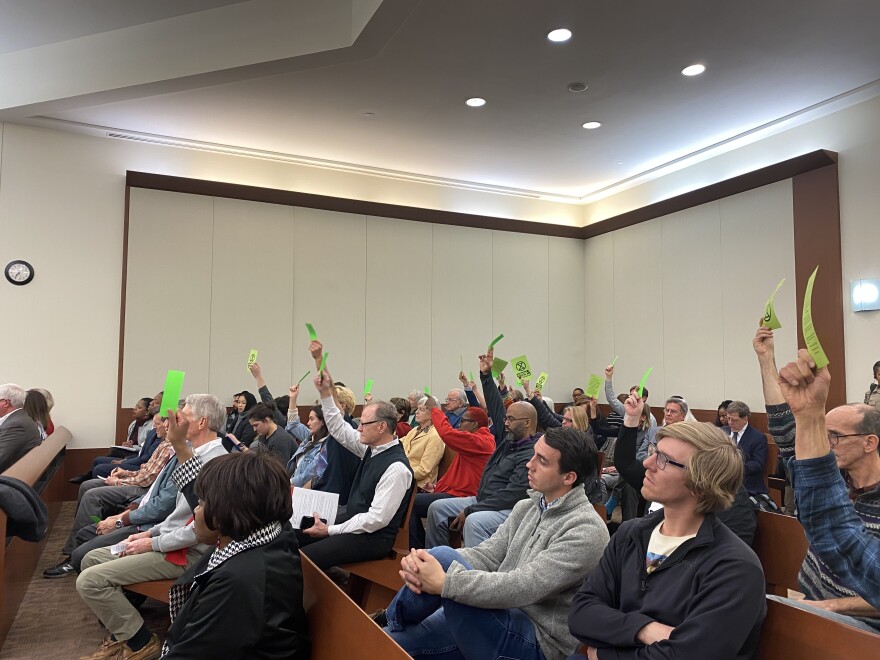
616,405
494,405
628,466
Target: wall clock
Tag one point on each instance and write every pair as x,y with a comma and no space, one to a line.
19,272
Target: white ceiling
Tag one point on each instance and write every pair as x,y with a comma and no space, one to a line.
297,77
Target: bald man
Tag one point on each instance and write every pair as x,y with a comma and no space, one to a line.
505,477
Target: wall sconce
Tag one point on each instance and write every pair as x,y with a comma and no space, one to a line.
865,295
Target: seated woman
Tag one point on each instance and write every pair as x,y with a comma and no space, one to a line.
423,448
403,412
37,408
243,432
244,599
310,459
721,415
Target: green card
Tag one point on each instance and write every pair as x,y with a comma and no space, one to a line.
368,387
171,391
323,362
304,377
810,338
644,380
542,380
614,361
312,334
496,340
252,357
521,367
471,374
95,519
518,382
498,366
593,386
427,391
770,320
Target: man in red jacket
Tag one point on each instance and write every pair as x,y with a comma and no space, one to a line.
473,444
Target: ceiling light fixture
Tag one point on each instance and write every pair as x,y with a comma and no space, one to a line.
559,35
476,102
590,125
693,70
577,87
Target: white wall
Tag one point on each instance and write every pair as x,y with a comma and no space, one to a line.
683,294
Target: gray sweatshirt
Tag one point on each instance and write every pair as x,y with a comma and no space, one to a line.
535,562
176,531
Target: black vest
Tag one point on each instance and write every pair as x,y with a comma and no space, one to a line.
363,489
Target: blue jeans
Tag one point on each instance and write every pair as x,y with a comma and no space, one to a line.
477,527
429,626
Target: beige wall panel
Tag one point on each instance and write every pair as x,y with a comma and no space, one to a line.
599,304
638,309
757,251
461,303
565,318
693,334
398,313
252,295
169,254
520,304
329,291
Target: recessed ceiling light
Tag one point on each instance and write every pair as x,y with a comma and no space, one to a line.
577,87
476,102
590,125
693,70
559,35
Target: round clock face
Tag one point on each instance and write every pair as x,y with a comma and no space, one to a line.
19,272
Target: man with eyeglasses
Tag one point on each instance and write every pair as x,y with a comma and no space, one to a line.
676,583
379,495
505,477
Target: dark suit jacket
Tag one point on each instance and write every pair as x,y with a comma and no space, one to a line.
18,435
753,445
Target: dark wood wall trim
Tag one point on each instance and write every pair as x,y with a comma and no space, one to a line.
781,171
817,243
343,205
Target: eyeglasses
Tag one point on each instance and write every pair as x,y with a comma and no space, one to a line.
673,411
375,421
834,438
508,418
663,459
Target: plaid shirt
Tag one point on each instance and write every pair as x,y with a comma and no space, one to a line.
836,533
147,473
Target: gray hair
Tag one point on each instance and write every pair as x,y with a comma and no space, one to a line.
50,401
422,401
13,393
209,407
870,423
461,396
681,402
738,408
415,395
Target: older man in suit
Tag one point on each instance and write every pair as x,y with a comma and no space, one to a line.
18,432
751,442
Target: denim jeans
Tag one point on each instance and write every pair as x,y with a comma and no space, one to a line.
477,527
429,626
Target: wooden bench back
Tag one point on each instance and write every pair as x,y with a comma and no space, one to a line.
338,627
781,545
795,634
772,460
401,542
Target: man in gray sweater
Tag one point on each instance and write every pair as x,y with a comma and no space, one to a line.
163,552
508,596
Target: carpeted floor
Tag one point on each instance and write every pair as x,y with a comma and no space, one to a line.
52,621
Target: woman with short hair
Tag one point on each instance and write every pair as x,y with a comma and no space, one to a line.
245,598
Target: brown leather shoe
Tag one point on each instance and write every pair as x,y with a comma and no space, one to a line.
151,651
110,648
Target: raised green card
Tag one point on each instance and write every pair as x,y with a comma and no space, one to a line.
171,391
521,367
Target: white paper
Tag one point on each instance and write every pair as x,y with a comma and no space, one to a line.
307,501
118,548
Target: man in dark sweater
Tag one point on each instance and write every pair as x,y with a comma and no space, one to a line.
379,495
505,477
677,583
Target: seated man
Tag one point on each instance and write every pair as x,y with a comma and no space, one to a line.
456,404
379,496
99,498
677,583
472,443
504,479
841,540
507,597
751,442
18,432
161,553
270,436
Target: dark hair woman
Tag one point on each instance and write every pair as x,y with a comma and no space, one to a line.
245,598
243,432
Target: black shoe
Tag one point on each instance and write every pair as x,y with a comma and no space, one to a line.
61,570
81,478
379,617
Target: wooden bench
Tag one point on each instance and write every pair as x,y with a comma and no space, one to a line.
157,589
781,545
372,584
795,634
338,627
42,469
